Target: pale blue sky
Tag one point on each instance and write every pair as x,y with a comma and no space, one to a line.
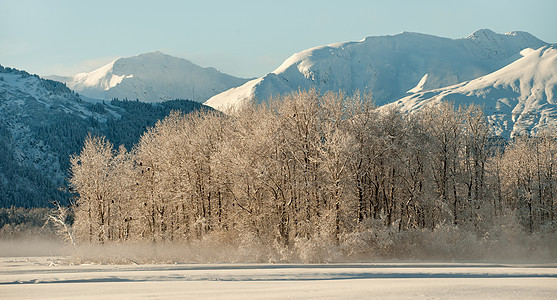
242,38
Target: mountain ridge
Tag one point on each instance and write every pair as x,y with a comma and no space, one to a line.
520,98
151,77
387,66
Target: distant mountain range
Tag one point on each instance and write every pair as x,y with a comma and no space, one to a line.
151,77
410,68
42,123
389,67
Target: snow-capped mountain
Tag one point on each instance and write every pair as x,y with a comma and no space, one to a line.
42,123
518,98
389,67
151,77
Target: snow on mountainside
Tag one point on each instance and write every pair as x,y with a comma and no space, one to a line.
389,67
42,123
31,166
519,98
151,77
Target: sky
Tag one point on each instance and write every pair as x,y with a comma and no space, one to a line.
241,38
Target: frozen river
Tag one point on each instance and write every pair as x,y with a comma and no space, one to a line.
47,277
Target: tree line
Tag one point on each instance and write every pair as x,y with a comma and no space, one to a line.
312,166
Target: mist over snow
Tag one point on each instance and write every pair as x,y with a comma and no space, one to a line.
151,77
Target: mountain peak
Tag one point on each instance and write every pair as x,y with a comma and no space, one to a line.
387,66
154,54
152,77
489,35
155,57
482,33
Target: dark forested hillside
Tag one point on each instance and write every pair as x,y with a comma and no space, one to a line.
42,123
137,116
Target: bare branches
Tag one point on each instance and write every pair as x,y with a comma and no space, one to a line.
309,166
60,220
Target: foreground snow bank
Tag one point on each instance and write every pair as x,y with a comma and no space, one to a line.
46,278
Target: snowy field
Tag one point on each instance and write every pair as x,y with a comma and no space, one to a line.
52,277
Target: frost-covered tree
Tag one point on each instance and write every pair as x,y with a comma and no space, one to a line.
92,178
311,169
529,184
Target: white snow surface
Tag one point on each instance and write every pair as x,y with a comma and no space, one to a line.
52,278
518,98
151,77
387,66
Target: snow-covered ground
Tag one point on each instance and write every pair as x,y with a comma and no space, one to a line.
53,277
